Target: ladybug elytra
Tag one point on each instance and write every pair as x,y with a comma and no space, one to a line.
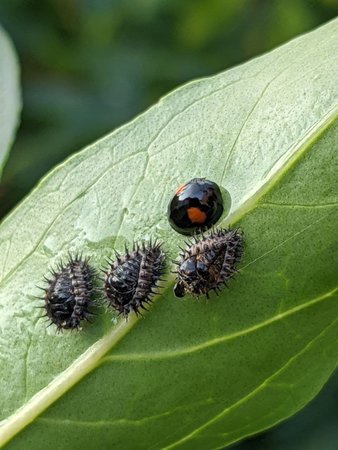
196,206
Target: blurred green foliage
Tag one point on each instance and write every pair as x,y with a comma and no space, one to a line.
313,428
90,65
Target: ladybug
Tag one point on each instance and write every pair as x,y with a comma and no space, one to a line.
196,206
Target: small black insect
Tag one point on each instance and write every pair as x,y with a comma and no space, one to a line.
196,205
68,296
208,262
130,280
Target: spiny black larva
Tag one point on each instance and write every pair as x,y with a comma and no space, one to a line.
208,262
69,293
130,280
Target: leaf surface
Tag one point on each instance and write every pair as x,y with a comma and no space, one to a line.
191,374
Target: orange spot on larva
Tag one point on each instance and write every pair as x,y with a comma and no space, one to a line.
196,215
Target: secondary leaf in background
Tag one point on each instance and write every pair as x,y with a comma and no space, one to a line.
313,428
191,374
9,95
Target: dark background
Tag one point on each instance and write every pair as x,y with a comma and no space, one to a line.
90,65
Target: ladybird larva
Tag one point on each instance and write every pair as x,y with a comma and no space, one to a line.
130,281
208,262
69,293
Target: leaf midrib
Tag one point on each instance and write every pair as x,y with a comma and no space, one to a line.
94,356
286,162
221,339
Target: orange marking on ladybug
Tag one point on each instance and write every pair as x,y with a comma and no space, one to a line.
196,215
180,189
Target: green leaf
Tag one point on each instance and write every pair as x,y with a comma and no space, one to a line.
191,374
9,95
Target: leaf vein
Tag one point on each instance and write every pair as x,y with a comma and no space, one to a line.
298,205
251,111
219,340
44,234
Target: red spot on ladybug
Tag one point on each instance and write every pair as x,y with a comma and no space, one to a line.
196,215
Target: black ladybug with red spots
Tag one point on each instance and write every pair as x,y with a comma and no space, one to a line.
196,206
